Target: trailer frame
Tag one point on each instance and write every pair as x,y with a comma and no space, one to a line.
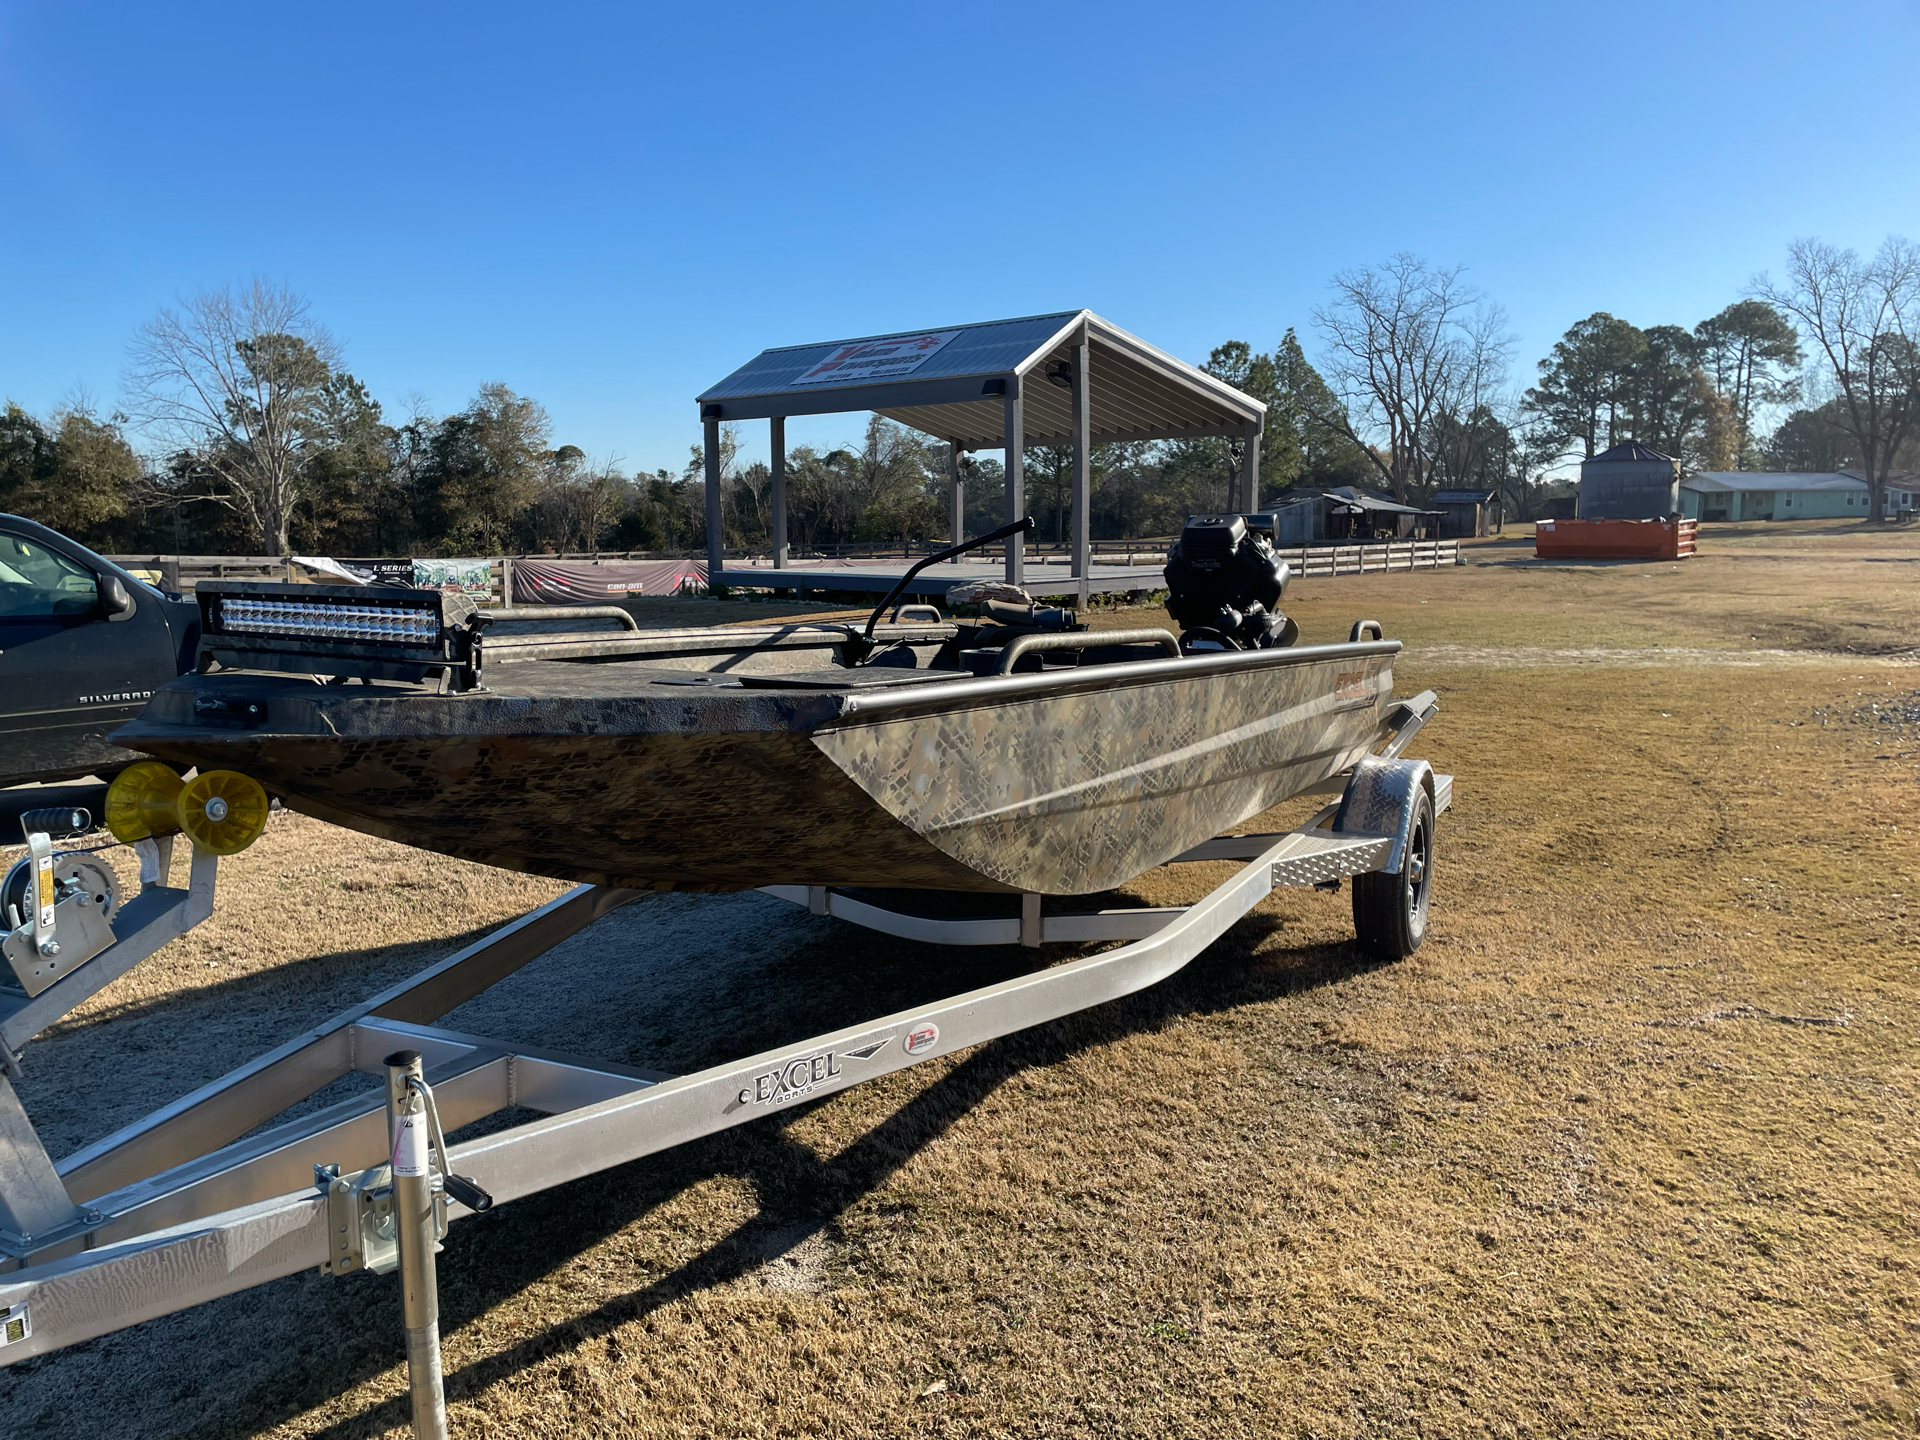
195,1201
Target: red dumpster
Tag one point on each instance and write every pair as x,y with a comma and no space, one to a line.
1614,539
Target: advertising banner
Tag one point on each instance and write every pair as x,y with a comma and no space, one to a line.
383,572
886,359
467,577
581,582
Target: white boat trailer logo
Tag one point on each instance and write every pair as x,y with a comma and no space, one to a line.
792,1081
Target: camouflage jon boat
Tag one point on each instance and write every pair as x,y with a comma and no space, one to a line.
1064,781
996,757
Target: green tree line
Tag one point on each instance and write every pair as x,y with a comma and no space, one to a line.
241,430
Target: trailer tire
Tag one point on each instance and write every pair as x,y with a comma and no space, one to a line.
1390,911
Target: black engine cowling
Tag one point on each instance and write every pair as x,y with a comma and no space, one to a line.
1224,583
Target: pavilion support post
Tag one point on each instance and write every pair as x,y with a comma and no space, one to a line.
1016,439
716,549
957,530
1250,473
1082,475
777,436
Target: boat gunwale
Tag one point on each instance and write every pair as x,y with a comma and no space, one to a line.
960,694
701,640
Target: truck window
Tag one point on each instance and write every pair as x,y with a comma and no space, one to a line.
36,583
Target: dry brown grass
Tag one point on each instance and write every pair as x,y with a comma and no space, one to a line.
1627,1148
1803,586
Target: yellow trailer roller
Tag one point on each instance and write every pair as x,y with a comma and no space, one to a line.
222,811
140,802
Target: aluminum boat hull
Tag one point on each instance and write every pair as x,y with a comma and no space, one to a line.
1068,781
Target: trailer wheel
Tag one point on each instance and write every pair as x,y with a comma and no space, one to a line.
1390,911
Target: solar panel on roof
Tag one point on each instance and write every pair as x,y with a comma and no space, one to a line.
992,347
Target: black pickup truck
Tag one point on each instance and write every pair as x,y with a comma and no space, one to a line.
83,645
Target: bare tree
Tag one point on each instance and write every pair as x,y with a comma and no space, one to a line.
1862,317
235,381
580,501
695,475
1408,345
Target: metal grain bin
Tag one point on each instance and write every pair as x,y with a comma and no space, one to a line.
1629,482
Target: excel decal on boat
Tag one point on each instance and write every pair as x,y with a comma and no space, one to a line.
794,1079
1356,687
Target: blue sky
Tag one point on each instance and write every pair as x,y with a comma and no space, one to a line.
609,207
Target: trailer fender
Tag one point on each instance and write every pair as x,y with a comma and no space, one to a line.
1379,800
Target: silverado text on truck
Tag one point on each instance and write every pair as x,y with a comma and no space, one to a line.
83,645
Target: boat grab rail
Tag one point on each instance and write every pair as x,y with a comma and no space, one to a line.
902,700
1082,640
563,612
860,647
1360,629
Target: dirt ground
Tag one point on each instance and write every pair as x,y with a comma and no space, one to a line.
1627,1148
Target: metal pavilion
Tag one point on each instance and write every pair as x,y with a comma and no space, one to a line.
1069,378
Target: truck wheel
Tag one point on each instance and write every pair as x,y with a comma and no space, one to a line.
1390,911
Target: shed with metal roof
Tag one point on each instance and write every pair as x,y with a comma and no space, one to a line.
1343,514
1466,514
1066,378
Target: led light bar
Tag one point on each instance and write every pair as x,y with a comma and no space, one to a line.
342,630
398,624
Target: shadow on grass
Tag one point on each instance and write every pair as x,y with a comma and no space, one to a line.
312,976
800,1194
90,1074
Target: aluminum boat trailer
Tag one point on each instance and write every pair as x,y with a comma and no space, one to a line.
177,1209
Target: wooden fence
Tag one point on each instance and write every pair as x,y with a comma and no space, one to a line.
184,572
1316,561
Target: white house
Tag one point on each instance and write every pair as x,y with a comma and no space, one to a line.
1788,494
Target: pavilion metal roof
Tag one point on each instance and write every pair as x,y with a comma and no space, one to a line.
951,382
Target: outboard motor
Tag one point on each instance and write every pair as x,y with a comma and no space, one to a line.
1224,586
